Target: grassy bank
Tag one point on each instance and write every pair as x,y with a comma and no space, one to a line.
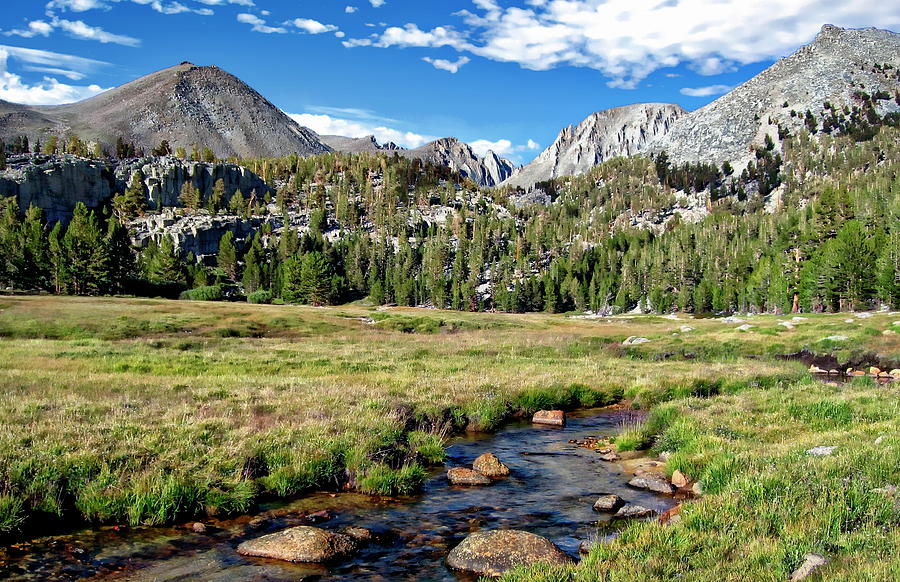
767,502
148,411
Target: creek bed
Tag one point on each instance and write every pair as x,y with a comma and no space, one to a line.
550,492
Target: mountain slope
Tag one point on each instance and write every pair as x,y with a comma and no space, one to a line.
185,105
460,157
622,131
357,145
831,69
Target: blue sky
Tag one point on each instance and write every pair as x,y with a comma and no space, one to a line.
500,74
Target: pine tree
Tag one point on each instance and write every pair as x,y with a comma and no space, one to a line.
216,197
86,253
132,202
253,279
190,196
121,256
237,205
315,279
36,251
227,257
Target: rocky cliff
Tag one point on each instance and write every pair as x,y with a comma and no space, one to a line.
831,69
57,183
460,157
185,105
622,131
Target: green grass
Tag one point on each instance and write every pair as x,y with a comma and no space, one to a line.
145,411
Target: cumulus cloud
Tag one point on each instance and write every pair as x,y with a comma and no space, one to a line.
324,124
377,3
706,91
259,25
503,148
310,26
627,40
161,6
47,92
449,66
350,9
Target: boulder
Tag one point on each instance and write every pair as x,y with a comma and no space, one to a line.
686,329
361,535
635,341
463,476
697,489
817,370
609,457
679,479
300,544
608,503
811,563
836,338
745,327
821,451
895,373
198,528
632,511
491,553
550,417
874,371
652,482
490,466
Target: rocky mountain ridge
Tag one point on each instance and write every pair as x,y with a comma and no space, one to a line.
836,68
622,131
488,171
358,145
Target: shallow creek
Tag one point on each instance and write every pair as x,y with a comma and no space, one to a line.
550,492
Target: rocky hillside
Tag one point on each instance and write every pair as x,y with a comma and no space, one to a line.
837,68
357,145
185,105
459,157
57,183
622,131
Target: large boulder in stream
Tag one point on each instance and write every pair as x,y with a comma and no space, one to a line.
652,482
550,417
301,544
490,466
491,553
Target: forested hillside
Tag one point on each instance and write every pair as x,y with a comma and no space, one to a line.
816,228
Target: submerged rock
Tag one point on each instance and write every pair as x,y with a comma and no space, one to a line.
490,466
300,544
551,417
463,476
491,553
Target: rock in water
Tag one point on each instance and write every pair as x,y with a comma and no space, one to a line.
608,503
490,466
652,482
679,479
634,512
300,544
463,476
551,417
198,528
811,562
491,553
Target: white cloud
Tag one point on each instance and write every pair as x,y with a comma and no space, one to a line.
350,9
171,7
627,40
328,125
80,30
377,3
706,91
449,66
51,59
77,5
48,92
503,148
74,75
259,25
311,26
248,3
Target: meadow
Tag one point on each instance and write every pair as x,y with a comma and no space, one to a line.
151,411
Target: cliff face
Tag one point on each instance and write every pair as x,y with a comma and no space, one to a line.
623,131
838,64
57,183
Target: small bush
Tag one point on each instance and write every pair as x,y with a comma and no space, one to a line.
261,297
429,446
211,293
382,480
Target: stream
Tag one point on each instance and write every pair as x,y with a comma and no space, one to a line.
550,492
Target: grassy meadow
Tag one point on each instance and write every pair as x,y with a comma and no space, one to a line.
149,411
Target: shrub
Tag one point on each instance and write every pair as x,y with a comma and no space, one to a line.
261,297
210,293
